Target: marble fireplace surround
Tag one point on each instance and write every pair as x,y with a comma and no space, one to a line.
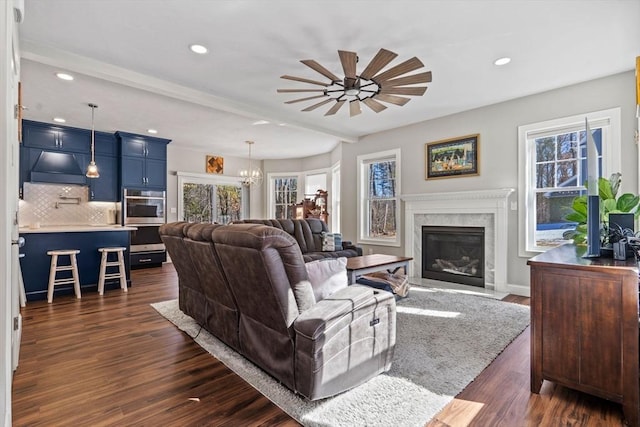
481,208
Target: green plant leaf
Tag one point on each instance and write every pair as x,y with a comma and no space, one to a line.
609,205
627,202
580,205
576,217
604,189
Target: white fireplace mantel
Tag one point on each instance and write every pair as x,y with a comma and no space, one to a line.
492,204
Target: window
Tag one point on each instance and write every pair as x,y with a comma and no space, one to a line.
283,193
378,195
205,199
314,182
553,172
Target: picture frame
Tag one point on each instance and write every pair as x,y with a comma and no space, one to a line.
453,157
215,164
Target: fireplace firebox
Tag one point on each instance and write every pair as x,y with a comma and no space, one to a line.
453,254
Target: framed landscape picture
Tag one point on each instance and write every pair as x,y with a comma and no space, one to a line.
452,157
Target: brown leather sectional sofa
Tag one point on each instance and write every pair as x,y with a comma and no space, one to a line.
247,284
308,234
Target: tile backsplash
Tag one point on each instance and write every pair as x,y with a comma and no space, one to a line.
60,204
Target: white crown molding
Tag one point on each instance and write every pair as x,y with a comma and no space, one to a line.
59,58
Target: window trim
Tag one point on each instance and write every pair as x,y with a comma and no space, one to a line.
200,178
609,119
334,202
362,221
271,177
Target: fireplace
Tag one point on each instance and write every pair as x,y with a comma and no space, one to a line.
453,254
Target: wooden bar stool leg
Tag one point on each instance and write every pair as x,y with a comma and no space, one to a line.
76,276
52,277
123,272
103,268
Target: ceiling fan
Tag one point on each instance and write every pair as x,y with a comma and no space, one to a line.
371,87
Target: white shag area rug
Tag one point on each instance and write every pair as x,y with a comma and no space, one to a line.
444,340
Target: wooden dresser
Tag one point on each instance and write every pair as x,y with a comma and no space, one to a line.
584,325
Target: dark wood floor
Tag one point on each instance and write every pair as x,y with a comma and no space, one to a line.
113,360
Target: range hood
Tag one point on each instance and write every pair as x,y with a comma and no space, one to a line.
58,168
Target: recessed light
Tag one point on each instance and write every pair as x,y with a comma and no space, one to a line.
64,76
502,61
153,131
59,120
198,48
260,122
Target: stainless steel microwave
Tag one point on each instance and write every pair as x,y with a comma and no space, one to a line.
144,207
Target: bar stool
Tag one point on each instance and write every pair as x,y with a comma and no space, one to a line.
55,268
104,263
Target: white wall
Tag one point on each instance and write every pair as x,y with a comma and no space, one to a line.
498,126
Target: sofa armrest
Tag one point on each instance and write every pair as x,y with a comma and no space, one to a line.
337,310
346,244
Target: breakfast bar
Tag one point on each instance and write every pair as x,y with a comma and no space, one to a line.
86,238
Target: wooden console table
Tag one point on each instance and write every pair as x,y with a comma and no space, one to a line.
584,325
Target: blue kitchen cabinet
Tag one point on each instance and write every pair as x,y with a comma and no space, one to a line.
35,264
56,138
106,144
105,188
143,161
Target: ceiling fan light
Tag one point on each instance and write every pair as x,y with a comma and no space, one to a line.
371,83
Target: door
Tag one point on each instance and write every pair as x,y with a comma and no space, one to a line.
9,155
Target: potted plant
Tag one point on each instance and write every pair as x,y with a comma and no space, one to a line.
609,203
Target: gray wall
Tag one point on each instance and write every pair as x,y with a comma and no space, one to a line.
498,128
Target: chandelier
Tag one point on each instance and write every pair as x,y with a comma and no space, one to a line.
251,176
92,168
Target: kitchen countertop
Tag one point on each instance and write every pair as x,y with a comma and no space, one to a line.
76,228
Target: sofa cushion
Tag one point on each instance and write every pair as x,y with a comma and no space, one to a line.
327,276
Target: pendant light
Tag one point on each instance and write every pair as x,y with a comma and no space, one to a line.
92,169
251,177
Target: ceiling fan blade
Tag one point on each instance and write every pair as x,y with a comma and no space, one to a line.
299,90
382,58
354,108
335,108
348,60
319,104
374,105
304,99
414,91
407,66
410,80
320,69
392,99
300,79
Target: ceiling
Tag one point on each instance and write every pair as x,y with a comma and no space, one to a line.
132,59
